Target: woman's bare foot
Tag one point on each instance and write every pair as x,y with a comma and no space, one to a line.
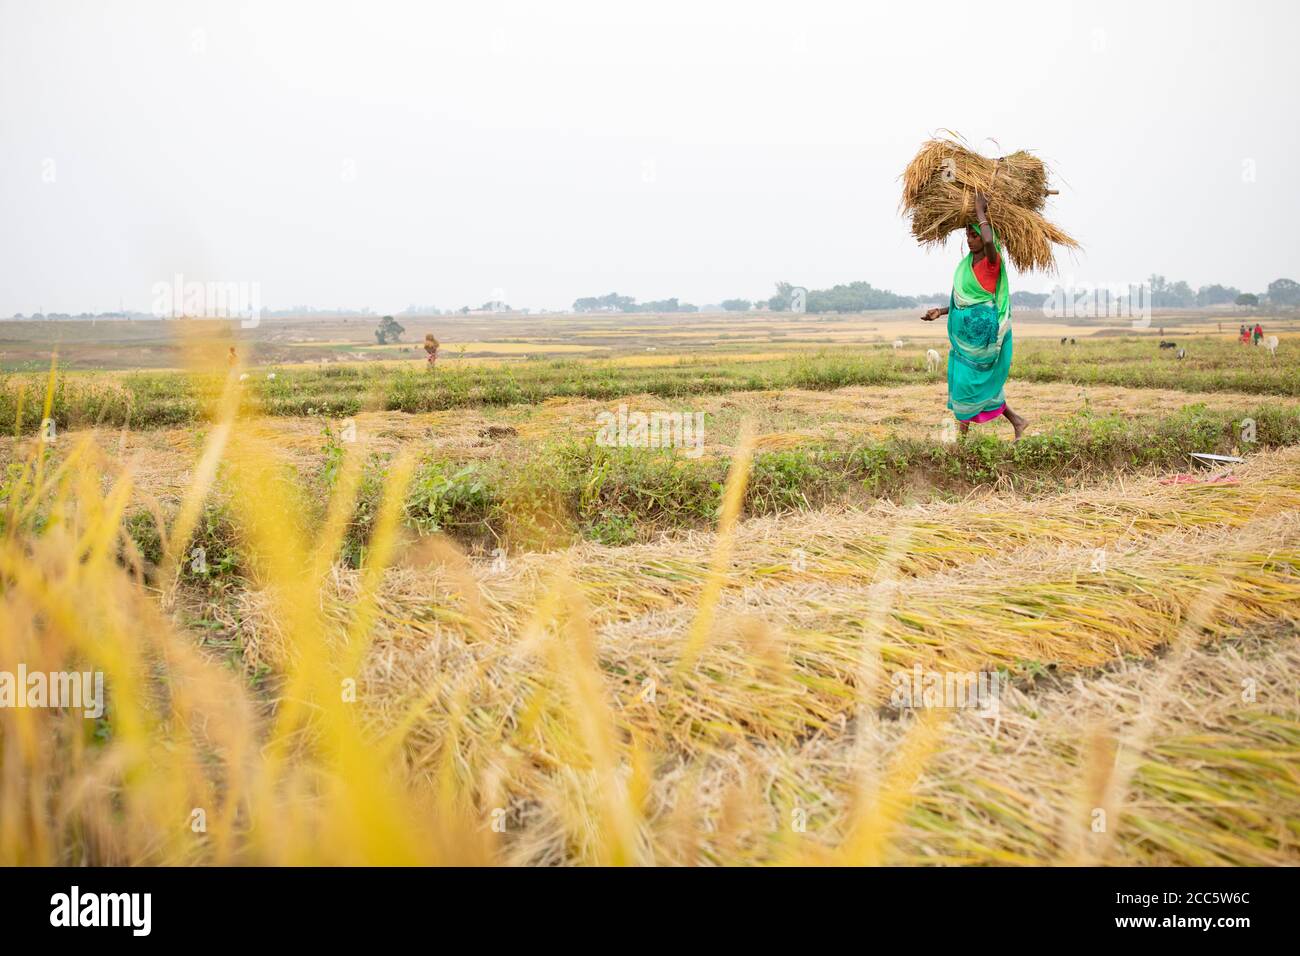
1018,422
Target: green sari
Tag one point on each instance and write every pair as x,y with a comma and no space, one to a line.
979,336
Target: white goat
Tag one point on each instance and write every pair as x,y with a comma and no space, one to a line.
1270,343
898,344
931,361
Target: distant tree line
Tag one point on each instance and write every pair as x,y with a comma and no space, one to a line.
613,302
854,297
1179,295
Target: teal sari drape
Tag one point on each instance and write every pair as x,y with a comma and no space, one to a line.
980,343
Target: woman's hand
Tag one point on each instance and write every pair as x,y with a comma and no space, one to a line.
981,207
932,315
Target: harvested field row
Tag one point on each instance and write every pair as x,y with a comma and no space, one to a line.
493,485
790,665
552,495
781,419
845,548
1206,751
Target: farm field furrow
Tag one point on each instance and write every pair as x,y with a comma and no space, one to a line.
780,419
790,683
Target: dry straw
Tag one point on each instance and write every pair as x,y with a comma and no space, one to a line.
939,187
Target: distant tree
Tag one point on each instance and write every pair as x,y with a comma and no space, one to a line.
784,296
1181,294
1216,295
389,330
1247,298
605,303
736,305
856,297
661,305
1167,295
1284,292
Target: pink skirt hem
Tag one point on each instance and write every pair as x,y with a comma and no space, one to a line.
987,416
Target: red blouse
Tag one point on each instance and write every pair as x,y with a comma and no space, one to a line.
986,274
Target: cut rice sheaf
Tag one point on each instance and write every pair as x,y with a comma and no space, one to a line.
939,187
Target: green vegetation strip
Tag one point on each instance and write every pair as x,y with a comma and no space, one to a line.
562,493
161,399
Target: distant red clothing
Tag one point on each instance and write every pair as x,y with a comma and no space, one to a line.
986,274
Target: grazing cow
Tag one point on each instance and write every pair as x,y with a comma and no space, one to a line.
1168,345
1062,339
898,344
1071,341
1270,343
1182,353
931,361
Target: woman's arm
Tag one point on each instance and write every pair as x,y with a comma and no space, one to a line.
986,231
934,314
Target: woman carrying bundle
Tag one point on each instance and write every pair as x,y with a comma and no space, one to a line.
979,330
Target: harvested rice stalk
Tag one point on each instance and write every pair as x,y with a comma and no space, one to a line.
939,187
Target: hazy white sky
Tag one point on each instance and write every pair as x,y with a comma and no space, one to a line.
382,153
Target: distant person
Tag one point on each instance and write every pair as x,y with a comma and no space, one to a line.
431,350
979,330
231,359
1258,334
1245,334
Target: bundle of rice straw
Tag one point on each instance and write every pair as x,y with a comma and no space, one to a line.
939,188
